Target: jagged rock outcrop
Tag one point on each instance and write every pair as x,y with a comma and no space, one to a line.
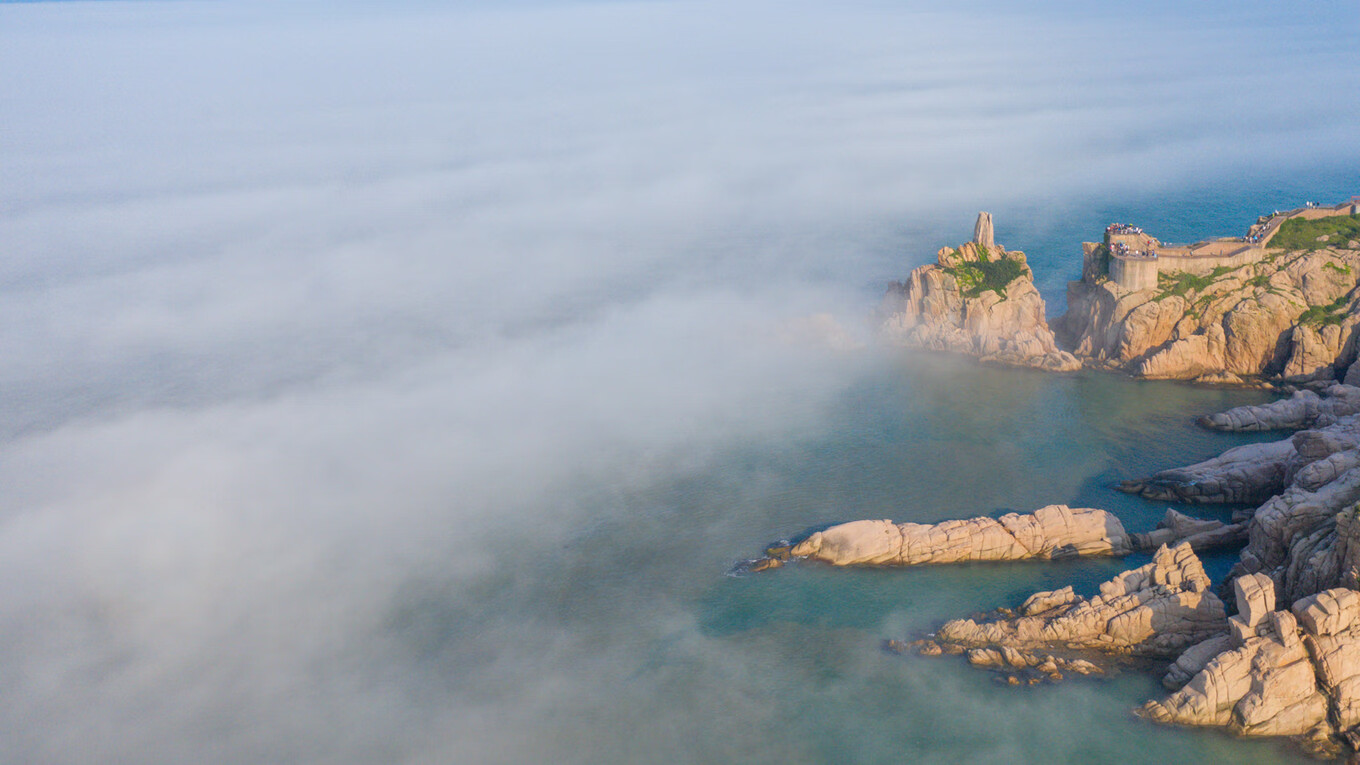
1303,535
1305,538
977,299
1156,610
1220,312
1055,531
1304,409
1292,672
1291,315
1306,541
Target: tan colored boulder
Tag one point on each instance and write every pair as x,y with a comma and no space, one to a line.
1255,598
1330,612
1055,531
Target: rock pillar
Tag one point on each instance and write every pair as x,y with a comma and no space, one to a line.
982,230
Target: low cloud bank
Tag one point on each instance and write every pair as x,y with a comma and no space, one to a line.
327,330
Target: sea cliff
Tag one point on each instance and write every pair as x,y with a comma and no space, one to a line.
1279,304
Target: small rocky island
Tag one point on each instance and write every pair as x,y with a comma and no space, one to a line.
1275,649
1279,303
978,299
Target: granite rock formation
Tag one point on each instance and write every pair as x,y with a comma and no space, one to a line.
1303,535
1055,531
1290,316
1246,474
1293,672
982,230
1304,409
1052,532
977,299
1156,610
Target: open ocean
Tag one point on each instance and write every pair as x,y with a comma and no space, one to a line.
398,383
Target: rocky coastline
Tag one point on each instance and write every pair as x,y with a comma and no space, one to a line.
1273,651
1275,306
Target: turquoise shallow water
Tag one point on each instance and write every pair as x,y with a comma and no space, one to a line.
667,658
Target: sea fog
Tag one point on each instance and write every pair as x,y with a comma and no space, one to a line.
397,382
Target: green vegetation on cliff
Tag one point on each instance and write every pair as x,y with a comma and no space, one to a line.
1322,315
977,277
1179,283
1300,234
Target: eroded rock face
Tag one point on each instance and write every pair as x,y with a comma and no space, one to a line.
1305,541
1304,538
1301,536
1304,409
977,299
1157,610
1055,531
1291,316
982,230
1291,672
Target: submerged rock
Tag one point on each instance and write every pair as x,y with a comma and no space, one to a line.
1199,533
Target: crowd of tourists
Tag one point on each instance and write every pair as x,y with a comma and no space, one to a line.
1122,250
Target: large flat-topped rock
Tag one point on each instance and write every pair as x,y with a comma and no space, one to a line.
1255,598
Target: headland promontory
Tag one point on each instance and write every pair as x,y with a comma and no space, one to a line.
1279,303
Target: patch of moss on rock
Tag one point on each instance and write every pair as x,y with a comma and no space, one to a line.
1301,234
